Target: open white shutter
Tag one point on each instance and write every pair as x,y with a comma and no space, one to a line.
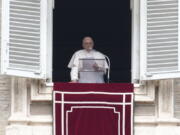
159,39
24,38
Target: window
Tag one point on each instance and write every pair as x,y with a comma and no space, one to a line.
158,52
26,38
108,22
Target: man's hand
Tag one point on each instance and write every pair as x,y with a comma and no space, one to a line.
74,81
95,66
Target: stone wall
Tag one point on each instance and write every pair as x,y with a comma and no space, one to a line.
156,108
4,96
4,103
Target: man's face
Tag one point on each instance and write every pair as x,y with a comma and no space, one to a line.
88,44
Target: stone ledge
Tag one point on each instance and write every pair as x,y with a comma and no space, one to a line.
28,130
156,121
32,120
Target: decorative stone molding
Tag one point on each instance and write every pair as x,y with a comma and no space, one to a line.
29,130
145,92
166,99
19,101
177,98
40,91
146,120
20,121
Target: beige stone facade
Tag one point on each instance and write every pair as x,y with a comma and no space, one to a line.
27,107
5,98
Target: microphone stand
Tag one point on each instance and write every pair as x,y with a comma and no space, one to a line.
109,64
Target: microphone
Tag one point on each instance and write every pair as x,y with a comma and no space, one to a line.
109,67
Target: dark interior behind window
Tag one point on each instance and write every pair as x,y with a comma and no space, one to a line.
107,21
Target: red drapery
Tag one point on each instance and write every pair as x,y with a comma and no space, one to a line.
93,109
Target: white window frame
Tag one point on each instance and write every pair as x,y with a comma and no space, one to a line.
49,61
144,91
135,54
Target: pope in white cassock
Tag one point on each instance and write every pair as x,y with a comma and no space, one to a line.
91,58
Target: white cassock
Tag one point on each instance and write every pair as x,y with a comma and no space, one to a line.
86,77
